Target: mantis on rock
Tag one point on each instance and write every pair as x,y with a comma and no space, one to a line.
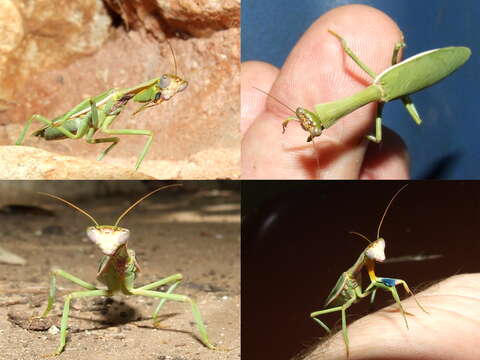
397,82
117,270
348,289
98,113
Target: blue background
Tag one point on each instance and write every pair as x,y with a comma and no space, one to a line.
447,144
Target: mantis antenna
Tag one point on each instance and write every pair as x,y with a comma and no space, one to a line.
388,206
141,199
72,205
173,54
383,216
361,235
275,98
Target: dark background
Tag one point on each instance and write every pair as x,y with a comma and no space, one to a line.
446,144
295,245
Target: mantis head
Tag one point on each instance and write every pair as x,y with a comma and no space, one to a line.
168,86
109,238
376,250
309,122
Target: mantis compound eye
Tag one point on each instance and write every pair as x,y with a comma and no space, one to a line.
158,96
164,82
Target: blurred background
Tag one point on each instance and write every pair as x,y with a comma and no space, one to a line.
446,144
296,243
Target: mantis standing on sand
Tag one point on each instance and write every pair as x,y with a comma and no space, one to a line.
348,289
397,82
117,270
99,112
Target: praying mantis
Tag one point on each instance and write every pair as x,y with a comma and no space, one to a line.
397,82
98,113
348,289
117,270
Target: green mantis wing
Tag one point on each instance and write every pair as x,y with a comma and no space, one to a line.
421,71
333,297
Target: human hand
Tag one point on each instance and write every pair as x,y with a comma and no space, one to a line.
450,330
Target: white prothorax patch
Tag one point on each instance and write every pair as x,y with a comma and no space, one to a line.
376,250
109,239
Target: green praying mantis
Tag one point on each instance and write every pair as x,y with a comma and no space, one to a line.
117,270
397,82
348,289
98,113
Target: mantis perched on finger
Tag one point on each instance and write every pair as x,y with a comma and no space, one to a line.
117,270
397,82
98,113
348,289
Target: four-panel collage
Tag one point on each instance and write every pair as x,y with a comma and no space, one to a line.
185,180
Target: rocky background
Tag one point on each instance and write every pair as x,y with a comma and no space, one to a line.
55,54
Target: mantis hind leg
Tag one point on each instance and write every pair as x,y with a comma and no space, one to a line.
175,279
53,287
146,147
97,119
377,138
27,126
390,284
352,55
343,309
66,311
406,100
181,298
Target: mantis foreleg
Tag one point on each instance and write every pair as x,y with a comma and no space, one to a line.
181,298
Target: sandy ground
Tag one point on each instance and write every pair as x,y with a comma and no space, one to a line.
196,234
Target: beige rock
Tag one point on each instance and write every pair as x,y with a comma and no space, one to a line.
24,162
39,35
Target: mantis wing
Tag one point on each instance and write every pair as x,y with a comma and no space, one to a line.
421,71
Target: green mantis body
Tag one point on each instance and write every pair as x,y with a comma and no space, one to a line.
99,112
397,82
117,271
348,289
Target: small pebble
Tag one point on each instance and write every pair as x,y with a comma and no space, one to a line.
53,330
